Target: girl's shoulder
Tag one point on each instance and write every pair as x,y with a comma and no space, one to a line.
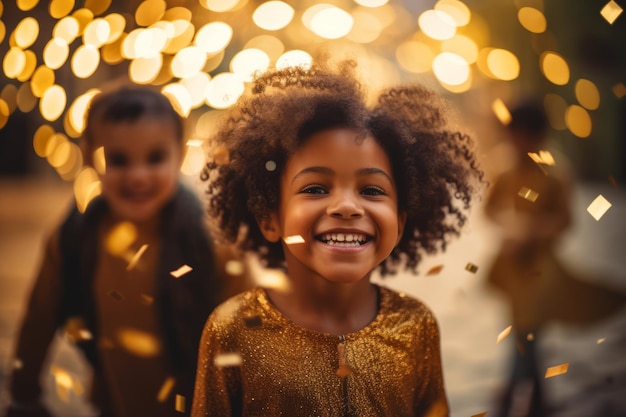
239,306
399,306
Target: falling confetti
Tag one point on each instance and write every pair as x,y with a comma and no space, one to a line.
528,194
503,334
471,268
434,270
180,403
227,359
135,258
598,207
290,240
556,370
611,11
483,414
181,271
165,389
601,340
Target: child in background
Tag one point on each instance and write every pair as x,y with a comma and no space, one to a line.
312,180
139,327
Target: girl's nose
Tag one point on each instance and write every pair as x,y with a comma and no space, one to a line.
345,205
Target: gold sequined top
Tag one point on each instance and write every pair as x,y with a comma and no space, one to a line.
256,362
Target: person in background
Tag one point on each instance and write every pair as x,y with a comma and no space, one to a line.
133,278
326,189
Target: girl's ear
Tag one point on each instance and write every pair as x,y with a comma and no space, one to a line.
401,223
269,226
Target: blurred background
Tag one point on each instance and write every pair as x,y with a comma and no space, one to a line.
481,55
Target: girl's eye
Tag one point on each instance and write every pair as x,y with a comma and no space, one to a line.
156,157
116,160
373,191
314,189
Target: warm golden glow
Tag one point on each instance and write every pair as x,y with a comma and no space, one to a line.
503,64
183,35
501,111
457,10
532,19
73,164
214,37
26,101
145,70
97,32
87,186
179,97
41,138
4,113
437,24
555,106
367,26
97,7
14,62
371,3
83,17
149,12
462,46
273,15
224,90
578,121
269,44
26,32
194,158
611,11
85,61
176,13
196,87
52,104
55,53
117,24
414,56
554,68
188,61
294,58
451,68
78,109
248,62
60,8
66,29
331,23
219,5
26,5
587,94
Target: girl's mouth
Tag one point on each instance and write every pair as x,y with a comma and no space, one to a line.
343,239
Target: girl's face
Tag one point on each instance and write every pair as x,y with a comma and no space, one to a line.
142,166
339,196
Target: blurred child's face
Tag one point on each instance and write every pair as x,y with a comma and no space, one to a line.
142,166
340,197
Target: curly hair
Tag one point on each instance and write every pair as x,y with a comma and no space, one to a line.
435,170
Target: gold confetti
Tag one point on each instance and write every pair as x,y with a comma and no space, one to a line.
234,267
543,157
181,271
138,342
434,270
221,156
530,337
598,207
601,340
483,414
471,267
528,194
65,383
180,403
500,110
611,11
146,299
619,90
135,258
76,330
224,360
503,334
290,240
556,370
165,389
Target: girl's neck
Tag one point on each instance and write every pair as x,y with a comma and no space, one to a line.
327,307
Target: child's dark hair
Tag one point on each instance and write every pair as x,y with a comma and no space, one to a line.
129,104
431,165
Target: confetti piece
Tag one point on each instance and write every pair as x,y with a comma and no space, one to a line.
146,299
234,267
138,342
165,389
619,90
598,207
434,270
181,271
611,11
530,337
556,370
290,240
224,360
180,403
528,194
601,340
483,414
253,321
471,267
501,111
135,258
503,334
543,157
117,296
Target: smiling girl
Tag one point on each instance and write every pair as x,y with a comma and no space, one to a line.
315,182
